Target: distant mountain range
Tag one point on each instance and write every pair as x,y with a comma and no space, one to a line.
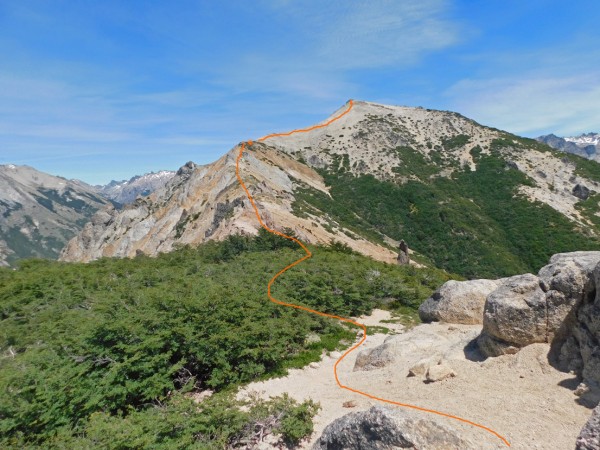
39,212
585,145
126,191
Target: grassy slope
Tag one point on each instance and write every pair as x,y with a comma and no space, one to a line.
108,348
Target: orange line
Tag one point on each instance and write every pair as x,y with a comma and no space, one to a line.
343,319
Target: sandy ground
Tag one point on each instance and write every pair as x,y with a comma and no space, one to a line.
519,396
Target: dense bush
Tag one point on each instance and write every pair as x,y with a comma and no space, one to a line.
474,224
87,347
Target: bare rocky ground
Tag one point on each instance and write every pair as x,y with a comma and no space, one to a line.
520,396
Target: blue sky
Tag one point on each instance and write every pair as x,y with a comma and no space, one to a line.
102,90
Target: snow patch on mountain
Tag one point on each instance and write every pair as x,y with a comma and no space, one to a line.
126,191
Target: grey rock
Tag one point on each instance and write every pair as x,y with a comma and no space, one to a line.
376,358
126,191
560,306
421,368
382,428
514,315
458,302
589,437
582,192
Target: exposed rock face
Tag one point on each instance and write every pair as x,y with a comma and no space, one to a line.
589,438
206,202
560,306
578,349
382,428
458,302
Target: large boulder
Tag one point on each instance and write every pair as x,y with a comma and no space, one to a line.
514,316
382,428
584,336
589,438
558,306
458,302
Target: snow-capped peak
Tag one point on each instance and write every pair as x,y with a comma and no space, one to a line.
585,139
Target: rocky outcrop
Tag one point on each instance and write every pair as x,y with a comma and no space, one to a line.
370,139
560,306
382,428
589,438
458,302
403,257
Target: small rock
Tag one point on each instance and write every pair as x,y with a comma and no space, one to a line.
335,355
350,404
312,338
439,373
581,389
314,365
580,191
421,368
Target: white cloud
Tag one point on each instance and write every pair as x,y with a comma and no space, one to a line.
380,33
330,40
532,104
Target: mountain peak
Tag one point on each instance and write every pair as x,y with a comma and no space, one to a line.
586,145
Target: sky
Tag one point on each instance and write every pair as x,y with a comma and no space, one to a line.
102,90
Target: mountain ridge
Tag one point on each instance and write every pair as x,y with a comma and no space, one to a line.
586,145
404,151
126,191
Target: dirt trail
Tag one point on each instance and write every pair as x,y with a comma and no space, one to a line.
308,254
520,395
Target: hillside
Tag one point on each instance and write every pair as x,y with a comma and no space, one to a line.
39,212
471,199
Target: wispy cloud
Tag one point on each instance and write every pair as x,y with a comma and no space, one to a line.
532,104
381,33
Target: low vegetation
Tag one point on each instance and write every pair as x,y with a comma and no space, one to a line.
474,224
107,354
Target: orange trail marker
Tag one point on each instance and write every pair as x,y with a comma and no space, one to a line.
342,319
